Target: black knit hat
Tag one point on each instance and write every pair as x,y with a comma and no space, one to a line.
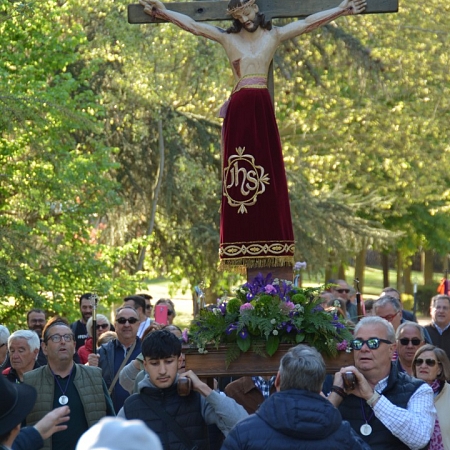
17,401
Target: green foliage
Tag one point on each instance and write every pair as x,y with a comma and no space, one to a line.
363,118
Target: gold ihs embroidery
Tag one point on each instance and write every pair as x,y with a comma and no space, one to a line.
243,173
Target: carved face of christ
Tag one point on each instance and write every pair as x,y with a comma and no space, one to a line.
248,17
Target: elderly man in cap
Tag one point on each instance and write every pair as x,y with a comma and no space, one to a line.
17,401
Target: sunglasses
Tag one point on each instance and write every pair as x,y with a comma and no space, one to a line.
372,343
406,341
169,312
341,291
148,306
429,362
390,317
102,326
123,320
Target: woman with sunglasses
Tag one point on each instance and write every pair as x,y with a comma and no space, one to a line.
432,365
103,325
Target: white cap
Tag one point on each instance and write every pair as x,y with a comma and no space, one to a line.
114,433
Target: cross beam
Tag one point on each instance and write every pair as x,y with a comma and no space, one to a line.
216,9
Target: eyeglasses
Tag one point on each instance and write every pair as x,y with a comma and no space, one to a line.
406,341
390,317
123,320
102,326
372,343
169,312
60,337
341,291
429,362
148,306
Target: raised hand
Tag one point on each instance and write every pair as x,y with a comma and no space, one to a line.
354,6
151,5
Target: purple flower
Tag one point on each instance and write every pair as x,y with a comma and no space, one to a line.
223,308
243,333
290,305
341,346
184,335
269,289
246,307
232,327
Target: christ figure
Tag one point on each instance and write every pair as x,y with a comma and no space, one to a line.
255,226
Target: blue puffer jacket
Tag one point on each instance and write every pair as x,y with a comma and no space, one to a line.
294,419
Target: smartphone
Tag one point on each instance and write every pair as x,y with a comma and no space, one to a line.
161,314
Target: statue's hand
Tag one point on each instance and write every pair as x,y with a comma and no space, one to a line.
354,6
150,6
358,6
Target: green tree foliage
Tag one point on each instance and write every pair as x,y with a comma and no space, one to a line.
363,111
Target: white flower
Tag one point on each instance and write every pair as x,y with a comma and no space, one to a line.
273,321
275,332
299,308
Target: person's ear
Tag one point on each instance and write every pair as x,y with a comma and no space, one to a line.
277,382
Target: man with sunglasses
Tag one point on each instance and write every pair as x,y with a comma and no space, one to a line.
390,308
409,337
386,407
340,289
114,355
62,382
138,303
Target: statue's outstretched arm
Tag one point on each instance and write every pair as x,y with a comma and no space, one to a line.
347,7
157,9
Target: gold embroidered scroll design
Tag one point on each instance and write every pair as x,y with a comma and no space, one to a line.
255,249
242,173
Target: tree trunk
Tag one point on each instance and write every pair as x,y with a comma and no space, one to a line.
428,267
341,272
407,279
399,283
360,266
385,265
151,222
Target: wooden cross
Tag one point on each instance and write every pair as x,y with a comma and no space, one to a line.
214,10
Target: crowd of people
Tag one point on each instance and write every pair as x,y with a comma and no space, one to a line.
60,393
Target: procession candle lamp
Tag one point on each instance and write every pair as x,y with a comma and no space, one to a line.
358,299
94,300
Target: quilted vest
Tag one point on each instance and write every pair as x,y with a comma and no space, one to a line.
187,411
398,391
87,381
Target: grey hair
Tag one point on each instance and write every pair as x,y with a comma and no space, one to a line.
29,335
302,367
388,300
376,320
90,320
4,335
439,297
408,323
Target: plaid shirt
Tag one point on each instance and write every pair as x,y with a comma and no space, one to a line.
263,385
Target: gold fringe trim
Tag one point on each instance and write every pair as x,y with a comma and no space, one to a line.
240,265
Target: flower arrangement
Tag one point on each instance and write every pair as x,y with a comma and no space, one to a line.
265,313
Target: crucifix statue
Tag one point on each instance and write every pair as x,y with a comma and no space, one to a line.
256,233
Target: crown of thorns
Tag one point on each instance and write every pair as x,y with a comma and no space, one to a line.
238,9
